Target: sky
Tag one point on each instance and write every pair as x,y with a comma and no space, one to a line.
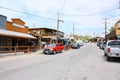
87,15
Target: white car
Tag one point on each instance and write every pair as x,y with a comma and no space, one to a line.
80,42
112,49
102,45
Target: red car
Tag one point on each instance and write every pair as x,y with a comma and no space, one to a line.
53,48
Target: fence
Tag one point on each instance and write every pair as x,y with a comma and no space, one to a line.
15,49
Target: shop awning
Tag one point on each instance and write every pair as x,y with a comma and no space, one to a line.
15,34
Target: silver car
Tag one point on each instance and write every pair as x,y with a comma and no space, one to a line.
112,49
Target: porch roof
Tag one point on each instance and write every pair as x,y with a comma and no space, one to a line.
15,34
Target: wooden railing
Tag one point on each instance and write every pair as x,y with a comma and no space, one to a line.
15,49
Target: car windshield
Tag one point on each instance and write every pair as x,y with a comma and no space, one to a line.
51,45
104,42
113,43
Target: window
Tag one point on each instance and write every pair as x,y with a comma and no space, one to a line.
39,32
113,43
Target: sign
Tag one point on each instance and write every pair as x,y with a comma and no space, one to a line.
18,25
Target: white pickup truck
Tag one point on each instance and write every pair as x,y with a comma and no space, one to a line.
112,49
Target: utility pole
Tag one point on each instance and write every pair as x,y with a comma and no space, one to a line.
57,27
105,23
73,30
94,34
98,33
58,20
119,4
33,25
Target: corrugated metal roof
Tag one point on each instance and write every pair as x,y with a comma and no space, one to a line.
15,34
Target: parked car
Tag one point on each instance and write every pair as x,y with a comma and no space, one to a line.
99,43
53,48
75,45
80,42
112,49
102,45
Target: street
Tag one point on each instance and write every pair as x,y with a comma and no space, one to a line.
86,63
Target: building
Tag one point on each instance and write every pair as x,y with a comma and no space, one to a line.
13,33
69,36
115,34
46,35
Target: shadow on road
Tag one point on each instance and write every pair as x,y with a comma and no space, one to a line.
114,60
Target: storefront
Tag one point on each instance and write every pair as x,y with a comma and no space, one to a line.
12,39
14,35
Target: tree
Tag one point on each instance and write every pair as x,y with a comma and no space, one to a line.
111,29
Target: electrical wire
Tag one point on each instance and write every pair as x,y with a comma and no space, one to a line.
93,14
63,7
61,14
25,13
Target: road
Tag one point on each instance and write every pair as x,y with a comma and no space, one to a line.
86,63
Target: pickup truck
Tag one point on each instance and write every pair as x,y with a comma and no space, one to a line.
112,49
53,48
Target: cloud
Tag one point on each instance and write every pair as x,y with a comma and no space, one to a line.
67,8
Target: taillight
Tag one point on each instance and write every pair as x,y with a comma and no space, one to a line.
108,50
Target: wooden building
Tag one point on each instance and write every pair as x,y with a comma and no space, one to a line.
13,33
46,35
115,34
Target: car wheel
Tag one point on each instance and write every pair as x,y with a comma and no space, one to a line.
108,58
61,51
76,47
54,52
105,54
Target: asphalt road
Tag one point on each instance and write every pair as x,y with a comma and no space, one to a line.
86,63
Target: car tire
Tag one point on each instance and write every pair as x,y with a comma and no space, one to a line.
54,52
108,58
105,54
61,51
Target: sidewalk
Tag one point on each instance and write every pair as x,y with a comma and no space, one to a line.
18,54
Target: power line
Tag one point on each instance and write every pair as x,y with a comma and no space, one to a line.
93,14
25,13
62,14
63,7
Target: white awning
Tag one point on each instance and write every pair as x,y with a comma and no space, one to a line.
15,34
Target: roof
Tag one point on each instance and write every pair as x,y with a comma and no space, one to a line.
3,16
15,34
18,19
44,28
